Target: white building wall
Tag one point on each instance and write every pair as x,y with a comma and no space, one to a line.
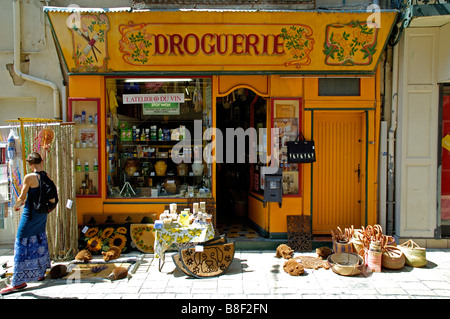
28,99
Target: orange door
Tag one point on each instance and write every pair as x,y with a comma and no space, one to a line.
338,173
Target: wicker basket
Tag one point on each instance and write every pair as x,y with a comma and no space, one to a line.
339,247
415,255
393,258
345,259
373,260
391,241
346,264
358,245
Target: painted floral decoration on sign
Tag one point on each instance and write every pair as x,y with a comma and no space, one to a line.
139,42
350,44
90,51
135,43
299,44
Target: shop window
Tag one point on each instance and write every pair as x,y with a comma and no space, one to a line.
339,87
155,139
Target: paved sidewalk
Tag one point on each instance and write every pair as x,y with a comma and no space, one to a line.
254,275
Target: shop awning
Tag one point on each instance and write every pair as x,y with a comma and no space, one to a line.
121,40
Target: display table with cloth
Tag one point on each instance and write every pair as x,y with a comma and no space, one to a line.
180,236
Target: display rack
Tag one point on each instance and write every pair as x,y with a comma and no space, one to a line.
27,120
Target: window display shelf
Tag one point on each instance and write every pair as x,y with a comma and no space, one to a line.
84,112
148,140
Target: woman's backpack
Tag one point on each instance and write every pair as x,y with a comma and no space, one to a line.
47,191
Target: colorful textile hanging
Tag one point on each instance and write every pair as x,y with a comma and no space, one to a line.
55,144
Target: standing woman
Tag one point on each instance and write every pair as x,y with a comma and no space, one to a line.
31,255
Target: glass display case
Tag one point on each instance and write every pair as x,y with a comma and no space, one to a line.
85,113
155,140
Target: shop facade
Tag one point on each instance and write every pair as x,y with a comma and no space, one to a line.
164,100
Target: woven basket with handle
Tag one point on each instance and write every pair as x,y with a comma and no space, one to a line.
393,258
415,255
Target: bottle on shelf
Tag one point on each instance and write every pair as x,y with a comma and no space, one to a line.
86,166
138,135
95,165
83,187
78,166
153,133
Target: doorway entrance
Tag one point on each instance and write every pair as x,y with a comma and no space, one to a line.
338,174
241,109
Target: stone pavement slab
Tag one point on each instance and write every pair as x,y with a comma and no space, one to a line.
253,275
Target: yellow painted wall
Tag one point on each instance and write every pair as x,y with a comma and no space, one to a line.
256,212
280,87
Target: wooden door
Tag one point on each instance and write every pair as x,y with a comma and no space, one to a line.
338,173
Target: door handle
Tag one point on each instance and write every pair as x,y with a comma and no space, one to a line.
358,171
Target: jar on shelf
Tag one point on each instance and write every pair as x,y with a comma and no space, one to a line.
182,169
160,168
197,168
171,186
131,166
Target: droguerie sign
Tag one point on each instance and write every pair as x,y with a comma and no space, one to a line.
212,43
215,44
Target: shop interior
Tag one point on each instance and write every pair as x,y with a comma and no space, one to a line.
241,109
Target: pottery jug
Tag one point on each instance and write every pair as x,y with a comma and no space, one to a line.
197,168
182,169
171,186
160,168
